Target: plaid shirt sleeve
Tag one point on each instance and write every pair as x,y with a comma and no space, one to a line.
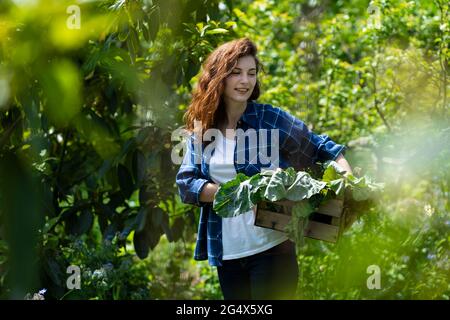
301,145
189,178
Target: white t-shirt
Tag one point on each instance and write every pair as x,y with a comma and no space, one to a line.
240,237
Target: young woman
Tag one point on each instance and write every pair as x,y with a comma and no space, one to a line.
252,262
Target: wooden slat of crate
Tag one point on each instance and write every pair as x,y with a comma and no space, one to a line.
285,206
321,231
272,220
336,221
314,229
332,207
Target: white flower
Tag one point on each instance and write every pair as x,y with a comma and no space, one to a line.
98,273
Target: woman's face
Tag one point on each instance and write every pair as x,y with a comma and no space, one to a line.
240,83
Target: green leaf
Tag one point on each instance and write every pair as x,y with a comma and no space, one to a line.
338,186
78,224
363,188
276,189
333,171
302,209
141,244
131,49
144,195
125,181
217,31
138,166
258,185
129,225
157,216
62,88
53,270
123,35
49,224
242,193
233,197
295,228
304,187
85,221
154,24
110,231
135,39
154,235
165,228
141,219
146,33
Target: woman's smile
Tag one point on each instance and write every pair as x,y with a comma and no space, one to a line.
242,91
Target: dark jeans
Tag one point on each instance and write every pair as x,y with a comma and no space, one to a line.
272,274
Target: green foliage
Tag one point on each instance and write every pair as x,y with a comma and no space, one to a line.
86,117
291,185
91,111
240,194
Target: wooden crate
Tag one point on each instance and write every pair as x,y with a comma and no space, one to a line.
326,224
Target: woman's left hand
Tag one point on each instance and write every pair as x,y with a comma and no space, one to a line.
340,160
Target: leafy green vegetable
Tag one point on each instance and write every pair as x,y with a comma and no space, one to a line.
276,189
233,197
295,228
363,188
332,171
304,187
239,195
242,193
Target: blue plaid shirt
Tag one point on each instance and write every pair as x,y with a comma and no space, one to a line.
298,148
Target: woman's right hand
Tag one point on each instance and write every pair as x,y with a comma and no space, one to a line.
208,192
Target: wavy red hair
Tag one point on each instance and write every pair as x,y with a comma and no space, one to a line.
207,105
